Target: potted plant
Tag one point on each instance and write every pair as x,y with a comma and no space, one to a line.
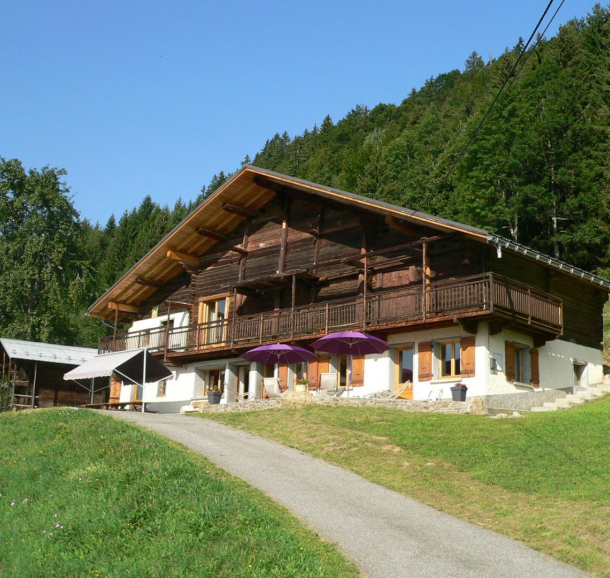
300,385
214,394
458,392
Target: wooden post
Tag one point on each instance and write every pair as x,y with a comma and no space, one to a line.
34,384
529,306
169,310
284,238
260,331
116,322
294,294
365,291
234,315
326,320
424,271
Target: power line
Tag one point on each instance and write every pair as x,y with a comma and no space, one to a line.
495,100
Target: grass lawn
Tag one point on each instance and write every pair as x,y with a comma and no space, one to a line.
83,494
543,479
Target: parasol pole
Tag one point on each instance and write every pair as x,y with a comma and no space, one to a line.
143,376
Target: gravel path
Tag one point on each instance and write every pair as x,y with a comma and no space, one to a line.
385,533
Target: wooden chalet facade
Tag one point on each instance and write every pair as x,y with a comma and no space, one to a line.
269,258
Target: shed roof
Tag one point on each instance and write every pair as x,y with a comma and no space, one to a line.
47,352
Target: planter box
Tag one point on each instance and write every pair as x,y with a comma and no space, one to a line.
458,392
214,397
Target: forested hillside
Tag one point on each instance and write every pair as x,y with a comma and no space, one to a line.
538,173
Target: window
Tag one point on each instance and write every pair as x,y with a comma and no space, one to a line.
449,356
213,313
162,388
216,379
342,369
522,363
269,370
300,370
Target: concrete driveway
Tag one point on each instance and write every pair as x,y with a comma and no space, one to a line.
385,533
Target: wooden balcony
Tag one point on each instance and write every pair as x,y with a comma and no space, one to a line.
487,295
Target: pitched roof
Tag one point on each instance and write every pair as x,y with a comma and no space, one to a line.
252,188
47,352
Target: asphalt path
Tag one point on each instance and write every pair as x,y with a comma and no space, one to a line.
387,534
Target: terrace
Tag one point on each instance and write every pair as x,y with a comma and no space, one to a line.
485,296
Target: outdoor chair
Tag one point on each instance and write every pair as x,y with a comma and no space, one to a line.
328,385
388,393
272,387
239,397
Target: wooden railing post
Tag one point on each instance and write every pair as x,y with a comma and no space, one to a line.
260,333
326,320
529,306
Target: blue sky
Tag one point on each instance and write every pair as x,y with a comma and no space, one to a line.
136,98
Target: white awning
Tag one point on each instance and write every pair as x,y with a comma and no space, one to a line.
129,364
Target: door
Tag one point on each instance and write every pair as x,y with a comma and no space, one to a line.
213,313
343,368
404,371
244,380
216,379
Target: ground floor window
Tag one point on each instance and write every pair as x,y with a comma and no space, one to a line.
216,379
162,388
244,379
579,373
449,354
300,370
343,367
269,370
404,372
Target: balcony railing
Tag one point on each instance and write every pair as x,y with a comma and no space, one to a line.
480,294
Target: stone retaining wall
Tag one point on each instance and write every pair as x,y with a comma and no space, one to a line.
296,400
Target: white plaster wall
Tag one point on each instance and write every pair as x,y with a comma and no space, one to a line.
181,319
378,374
431,388
556,364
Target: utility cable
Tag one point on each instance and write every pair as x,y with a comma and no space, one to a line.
495,100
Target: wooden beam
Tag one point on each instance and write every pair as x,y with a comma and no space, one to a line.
150,283
241,211
468,325
178,304
210,234
240,250
284,236
123,307
183,257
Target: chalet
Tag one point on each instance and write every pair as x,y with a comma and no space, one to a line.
270,258
32,375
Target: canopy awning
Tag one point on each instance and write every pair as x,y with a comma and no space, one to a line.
129,364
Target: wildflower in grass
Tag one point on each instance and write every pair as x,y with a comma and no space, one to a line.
26,501
12,503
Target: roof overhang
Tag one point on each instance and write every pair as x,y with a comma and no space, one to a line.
249,190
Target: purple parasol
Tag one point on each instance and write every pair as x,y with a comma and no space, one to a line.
350,343
279,353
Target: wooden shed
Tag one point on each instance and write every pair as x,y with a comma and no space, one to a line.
32,376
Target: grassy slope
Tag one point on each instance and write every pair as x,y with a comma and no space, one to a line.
134,504
542,479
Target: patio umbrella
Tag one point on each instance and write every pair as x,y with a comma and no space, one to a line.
279,353
350,343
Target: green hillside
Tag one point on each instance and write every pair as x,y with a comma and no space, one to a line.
83,494
538,173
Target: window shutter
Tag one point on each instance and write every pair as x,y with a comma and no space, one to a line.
468,355
509,363
283,375
115,389
317,367
357,377
535,367
424,355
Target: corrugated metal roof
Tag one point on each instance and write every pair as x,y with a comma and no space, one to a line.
47,352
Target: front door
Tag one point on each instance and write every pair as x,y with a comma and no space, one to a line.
244,379
404,371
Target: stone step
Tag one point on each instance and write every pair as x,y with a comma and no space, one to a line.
597,391
569,401
605,387
547,408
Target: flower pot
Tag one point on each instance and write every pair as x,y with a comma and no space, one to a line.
214,397
300,388
458,392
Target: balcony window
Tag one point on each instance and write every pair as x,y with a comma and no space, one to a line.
213,313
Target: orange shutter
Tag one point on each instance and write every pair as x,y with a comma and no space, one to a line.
424,354
357,377
283,374
535,367
509,362
316,368
467,357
